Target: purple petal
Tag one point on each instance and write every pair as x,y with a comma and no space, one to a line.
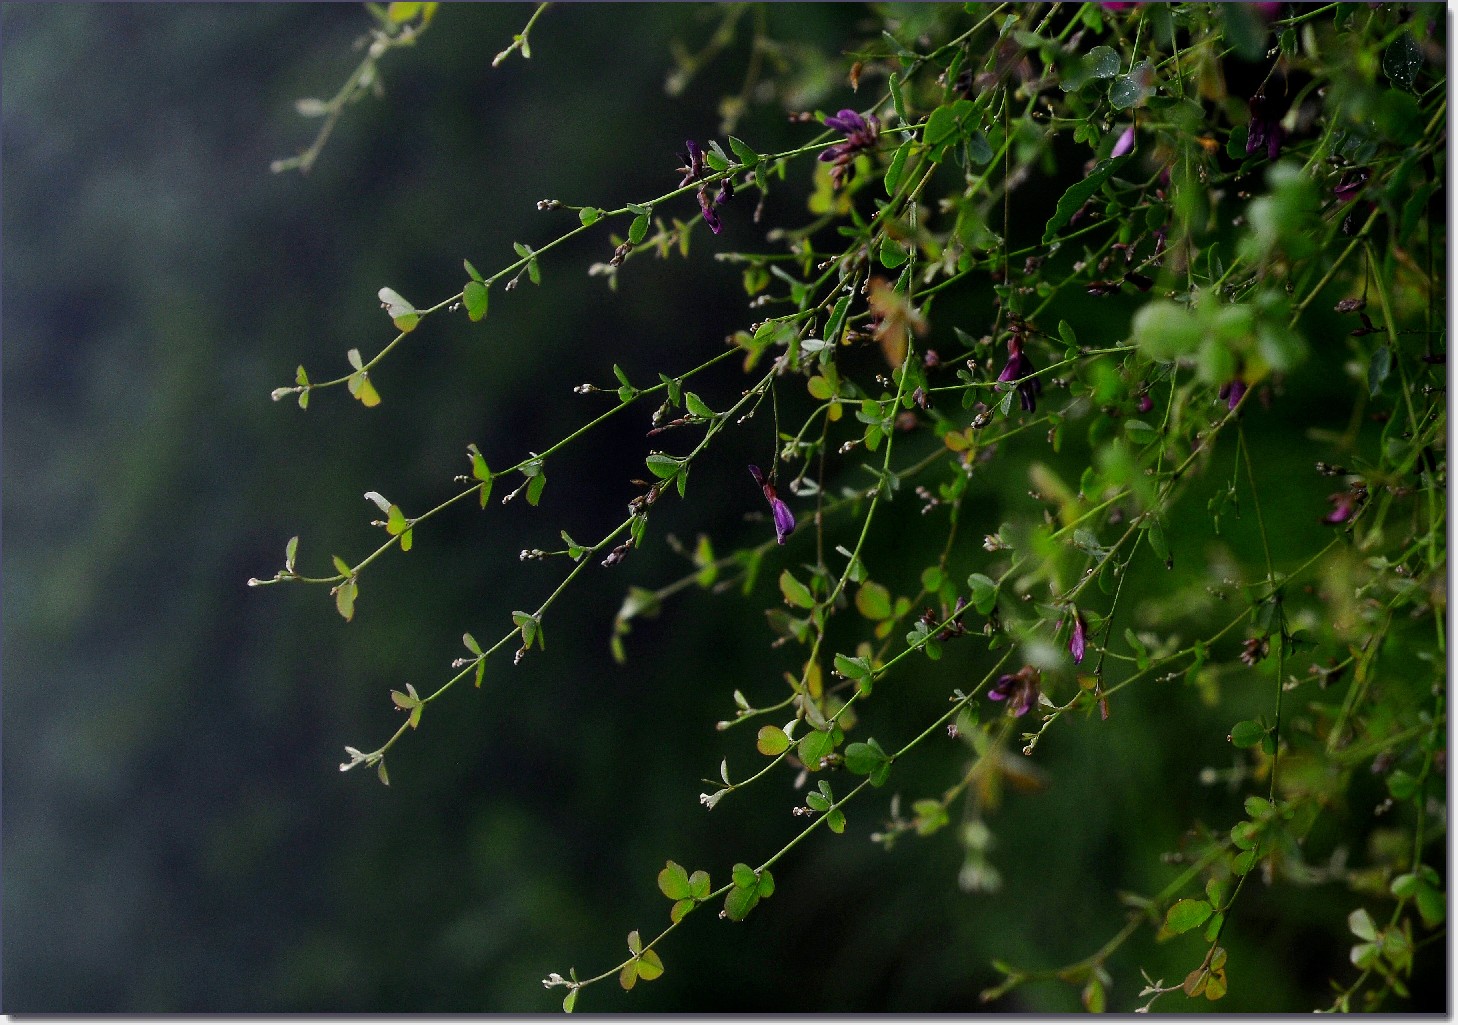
784,519
1078,644
846,121
1125,143
754,472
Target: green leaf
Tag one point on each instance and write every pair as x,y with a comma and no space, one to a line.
1247,733
397,523
1186,914
1378,369
341,566
744,876
898,167
662,466
1245,835
873,601
814,746
638,230
746,155
344,596
739,902
589,215
680,908
530,627
697,406
699,885
865,758
1128,90
1080,193
1402,785
628,977
766,883
1361,924
471,645
1140,433
1258,807
898,100
796,593
475,295
400,310
472,271
535,487
1154,532
1101,62
360,387
569,1002
772,741
852,668
891,253
835,326
836,820
650,966
674,881
1402,60
291,551
984,592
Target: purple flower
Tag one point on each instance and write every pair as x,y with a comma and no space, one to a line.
1232,392
1125,143
711,218
784,519
861,133
1078,643
1344,505
693,164
693,170
1019,690
1265,126
1351,183
1020,369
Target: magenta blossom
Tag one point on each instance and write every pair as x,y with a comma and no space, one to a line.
1020,690
1232,392
1265,126
1020,369
1078,643
1344,505
693,170
784,519
1350,184
861,133
1125,143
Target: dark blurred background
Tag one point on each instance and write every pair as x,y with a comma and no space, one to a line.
177,837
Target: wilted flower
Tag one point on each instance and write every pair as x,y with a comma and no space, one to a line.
1019,368
1078,643
861,133
1265,126
784,519
1020,690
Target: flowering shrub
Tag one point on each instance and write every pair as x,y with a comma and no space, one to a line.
1057,259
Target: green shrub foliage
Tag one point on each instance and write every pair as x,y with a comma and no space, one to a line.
1051,261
